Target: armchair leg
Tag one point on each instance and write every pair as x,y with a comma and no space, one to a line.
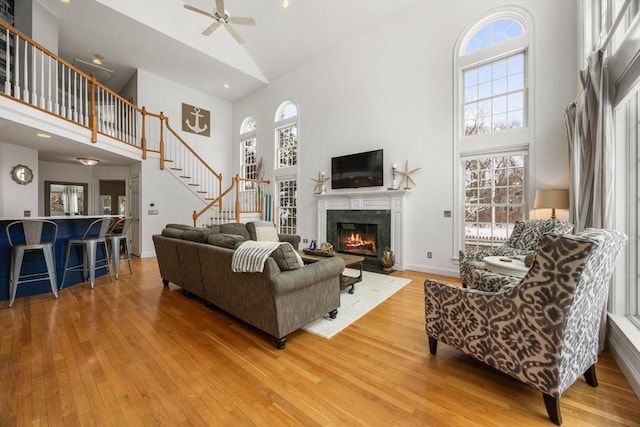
590,376
553,408
433,345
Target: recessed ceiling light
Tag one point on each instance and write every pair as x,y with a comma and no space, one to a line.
226,85
66,1
97,59
87,161
285,4
43,135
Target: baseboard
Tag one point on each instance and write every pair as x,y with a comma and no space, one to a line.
149,254
432,270
623,339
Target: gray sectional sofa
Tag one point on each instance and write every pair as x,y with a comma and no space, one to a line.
277,300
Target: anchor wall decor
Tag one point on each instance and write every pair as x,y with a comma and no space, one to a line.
196,120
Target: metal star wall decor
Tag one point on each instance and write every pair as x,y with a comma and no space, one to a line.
319,183
406,176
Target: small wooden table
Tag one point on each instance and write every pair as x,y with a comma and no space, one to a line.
349,260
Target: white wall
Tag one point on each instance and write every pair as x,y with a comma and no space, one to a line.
393,88
169,196
16,198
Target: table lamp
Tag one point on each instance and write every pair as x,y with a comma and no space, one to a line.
552,199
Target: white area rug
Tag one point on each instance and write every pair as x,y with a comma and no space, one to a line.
371,291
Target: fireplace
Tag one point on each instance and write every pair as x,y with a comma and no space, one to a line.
388,207
358,239
360,232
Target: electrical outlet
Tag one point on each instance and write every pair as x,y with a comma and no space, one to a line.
447,214
27,213
305,240
429,255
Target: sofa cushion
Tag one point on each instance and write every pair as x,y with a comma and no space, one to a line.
262,230
213,228
286,257
199,236
235,228
230,241
181,226
175,233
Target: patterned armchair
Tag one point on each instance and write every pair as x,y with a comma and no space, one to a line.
523,240
541,330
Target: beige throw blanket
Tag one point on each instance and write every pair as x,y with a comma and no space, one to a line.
250,256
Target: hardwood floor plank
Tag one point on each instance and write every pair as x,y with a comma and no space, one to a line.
134,353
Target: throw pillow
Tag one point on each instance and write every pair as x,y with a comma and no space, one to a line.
286,257
262,231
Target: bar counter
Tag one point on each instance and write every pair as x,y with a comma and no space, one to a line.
69,227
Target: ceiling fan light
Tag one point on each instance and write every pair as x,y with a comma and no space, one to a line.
88,161
97,59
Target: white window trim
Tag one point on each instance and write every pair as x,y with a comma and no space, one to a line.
491,143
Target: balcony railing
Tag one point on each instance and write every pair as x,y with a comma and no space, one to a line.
33,75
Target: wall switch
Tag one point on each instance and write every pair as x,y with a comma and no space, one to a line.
27,213
429,255
305,240
447,214
153,211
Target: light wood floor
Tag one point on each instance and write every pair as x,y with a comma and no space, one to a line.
132,352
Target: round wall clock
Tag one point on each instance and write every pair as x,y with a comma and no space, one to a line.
22,174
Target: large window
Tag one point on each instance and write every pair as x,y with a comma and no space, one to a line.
492,128
494,95
287,206
286,166
248,153
494,199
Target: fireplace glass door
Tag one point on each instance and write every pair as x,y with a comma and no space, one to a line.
359,239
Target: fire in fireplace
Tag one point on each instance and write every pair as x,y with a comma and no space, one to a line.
360,239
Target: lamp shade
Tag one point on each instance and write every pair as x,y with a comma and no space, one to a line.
551,199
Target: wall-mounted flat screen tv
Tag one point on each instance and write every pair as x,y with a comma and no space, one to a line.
357,170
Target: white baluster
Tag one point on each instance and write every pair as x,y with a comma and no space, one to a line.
25,96
62,108
42,98
34,69
75,96
69,110
49,101
7,81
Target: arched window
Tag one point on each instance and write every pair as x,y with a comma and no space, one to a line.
492,127
494,78
248,151
286,171
286,122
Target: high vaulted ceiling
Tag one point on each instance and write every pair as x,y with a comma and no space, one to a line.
164,38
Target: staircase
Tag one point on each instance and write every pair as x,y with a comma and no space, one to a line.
36,77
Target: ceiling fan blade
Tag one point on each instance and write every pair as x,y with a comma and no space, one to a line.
242,20
234,34
201,12
210,29
220,7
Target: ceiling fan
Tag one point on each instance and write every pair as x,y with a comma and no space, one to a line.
222,18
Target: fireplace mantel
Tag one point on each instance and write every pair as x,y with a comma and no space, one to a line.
391,200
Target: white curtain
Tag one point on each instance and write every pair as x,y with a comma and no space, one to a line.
591,153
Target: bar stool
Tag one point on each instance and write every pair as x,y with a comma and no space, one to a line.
28,236
94,236
116,237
